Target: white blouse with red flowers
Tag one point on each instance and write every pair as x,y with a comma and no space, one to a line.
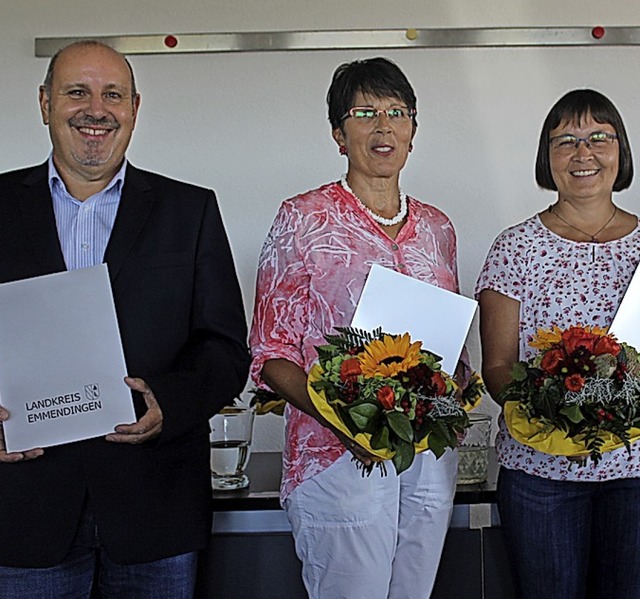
311,272
560,282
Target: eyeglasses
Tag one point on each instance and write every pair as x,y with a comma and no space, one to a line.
598,141
365,114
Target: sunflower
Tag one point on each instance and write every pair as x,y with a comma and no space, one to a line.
389,356
547,338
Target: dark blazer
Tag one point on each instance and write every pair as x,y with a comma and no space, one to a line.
183,330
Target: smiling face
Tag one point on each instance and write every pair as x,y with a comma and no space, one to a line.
584,173
90,111
376,149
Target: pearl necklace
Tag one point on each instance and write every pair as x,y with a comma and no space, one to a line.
387,222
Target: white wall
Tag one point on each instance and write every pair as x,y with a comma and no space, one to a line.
253,126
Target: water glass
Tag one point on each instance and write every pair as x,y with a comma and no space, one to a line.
474,451
231,431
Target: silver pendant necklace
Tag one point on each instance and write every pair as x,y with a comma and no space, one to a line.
387,222
593,237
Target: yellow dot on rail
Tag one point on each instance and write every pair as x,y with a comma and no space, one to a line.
411,34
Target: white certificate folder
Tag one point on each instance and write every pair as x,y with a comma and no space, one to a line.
61,359
626,324
400,304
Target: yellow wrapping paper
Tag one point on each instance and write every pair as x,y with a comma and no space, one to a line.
362,439
553,441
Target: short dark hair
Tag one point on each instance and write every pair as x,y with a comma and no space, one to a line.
48,78
574,106
374,76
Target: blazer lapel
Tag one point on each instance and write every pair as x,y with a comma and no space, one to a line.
36,208
135,205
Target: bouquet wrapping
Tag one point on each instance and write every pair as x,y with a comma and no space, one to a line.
389,395
579,396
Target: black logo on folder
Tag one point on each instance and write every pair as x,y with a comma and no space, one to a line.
92,392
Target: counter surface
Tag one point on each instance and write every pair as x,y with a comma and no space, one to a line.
265,469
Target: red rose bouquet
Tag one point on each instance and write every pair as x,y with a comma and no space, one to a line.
579,396
388,394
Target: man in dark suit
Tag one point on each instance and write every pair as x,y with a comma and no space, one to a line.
138,501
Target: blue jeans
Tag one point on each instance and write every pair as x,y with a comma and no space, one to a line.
170,578
571,540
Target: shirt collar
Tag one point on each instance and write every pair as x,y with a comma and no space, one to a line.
56,182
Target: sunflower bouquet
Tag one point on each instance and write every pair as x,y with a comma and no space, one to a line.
387,394
579,396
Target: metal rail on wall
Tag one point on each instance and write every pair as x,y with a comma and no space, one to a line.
358,39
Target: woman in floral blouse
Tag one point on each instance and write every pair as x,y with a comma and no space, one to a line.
357,536
569,527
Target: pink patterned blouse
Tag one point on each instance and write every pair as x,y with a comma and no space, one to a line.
560,282
311,272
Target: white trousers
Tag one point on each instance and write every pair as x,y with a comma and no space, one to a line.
373,537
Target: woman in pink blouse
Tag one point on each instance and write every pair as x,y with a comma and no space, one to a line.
357,536
572,531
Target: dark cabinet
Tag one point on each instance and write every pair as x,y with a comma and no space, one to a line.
252,555
264,566
251,566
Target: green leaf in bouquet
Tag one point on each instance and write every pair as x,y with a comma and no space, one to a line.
381,438
633,420
403,458
349,337
619,430
551,422
448,434
547,401
519,371
443,435
400,425
364,415
437,442
422,431
326,352
462,422
628,353
329,390
514,390
594,442
343,413
605,365
431,360
545,428
474,390
551,386
573,413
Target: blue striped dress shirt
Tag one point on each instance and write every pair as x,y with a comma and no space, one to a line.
84,228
